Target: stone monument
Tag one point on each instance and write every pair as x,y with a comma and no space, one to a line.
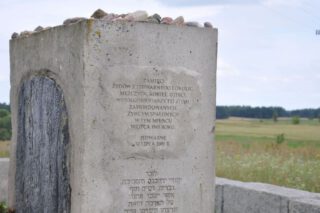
113,117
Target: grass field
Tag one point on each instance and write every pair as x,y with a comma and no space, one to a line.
4,149
247,150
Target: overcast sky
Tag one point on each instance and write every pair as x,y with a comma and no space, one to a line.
269,54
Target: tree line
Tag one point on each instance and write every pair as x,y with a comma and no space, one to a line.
5,122
264,112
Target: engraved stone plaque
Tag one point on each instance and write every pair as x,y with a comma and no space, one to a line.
152,110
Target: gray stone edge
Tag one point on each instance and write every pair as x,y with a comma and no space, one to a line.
297,200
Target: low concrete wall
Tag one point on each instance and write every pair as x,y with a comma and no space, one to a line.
235,196
4,170
240,197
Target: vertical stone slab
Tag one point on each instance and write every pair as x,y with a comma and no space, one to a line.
42,170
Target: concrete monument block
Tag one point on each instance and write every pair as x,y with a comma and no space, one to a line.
310,205
113,117
239,200
260,197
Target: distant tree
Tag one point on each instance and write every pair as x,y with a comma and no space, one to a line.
5,134
5,106
305,113
295,120
263,112
5,125
3,113
275,116
5,122
222,112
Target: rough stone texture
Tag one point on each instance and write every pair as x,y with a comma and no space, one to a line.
256,201
116,84
309,205
42,170
4,171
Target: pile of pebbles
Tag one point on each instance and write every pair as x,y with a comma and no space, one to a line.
137,16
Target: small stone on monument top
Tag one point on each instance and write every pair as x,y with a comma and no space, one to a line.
137,16
14,35
25,33
98,14
166,20
152,19
73,20
179,21
38,29
157,16
208,25
193,24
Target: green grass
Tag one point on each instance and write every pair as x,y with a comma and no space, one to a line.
247,150
3,207
4,149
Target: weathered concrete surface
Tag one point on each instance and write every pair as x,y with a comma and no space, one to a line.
309,205
42,176
4,171
258,197
141,105
245,199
